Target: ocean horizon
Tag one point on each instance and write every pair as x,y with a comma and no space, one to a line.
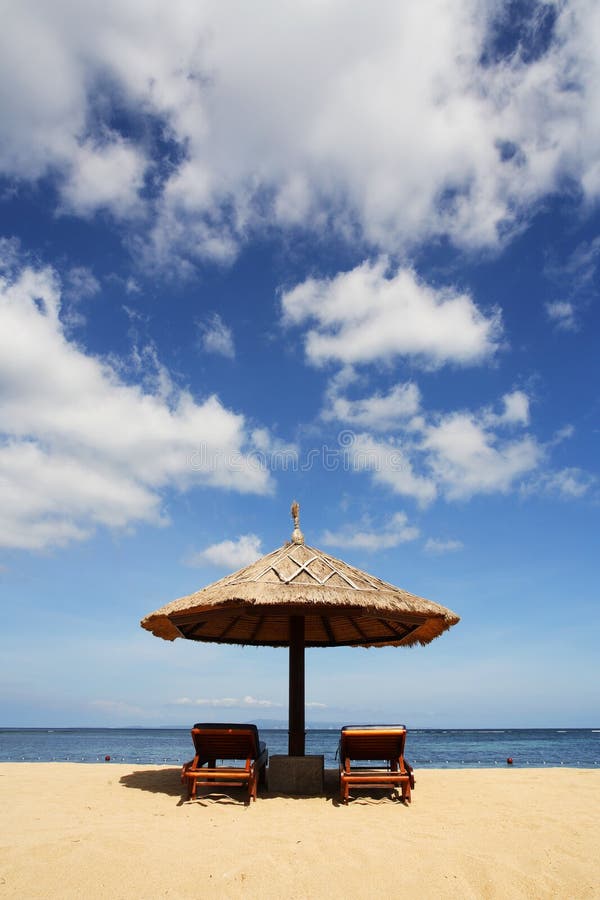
425,747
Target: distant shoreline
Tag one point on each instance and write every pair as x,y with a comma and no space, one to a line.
489,729
431,748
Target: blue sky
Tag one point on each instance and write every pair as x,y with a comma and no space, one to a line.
348,257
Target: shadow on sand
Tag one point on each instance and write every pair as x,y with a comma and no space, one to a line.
168,781
158,781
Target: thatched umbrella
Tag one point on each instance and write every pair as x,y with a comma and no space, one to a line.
297,597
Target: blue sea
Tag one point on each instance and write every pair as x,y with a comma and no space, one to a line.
425,748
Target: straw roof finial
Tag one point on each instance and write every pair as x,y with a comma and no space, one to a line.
297,536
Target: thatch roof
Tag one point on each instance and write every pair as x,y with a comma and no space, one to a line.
341,604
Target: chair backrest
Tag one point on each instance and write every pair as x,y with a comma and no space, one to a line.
372,742
225,741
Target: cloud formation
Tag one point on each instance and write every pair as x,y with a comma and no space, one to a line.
80,283
377,313
562,314
247,702
81,446
108,176
457,454
380,411
466,457
304,122
437,546
568,484
395,532
229,554
392,463
217,337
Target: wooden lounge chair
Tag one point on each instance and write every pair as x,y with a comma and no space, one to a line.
374,743
214,742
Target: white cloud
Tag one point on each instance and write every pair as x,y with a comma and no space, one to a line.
304,122
516,408
132,287
372,313
247,702
577,273
81,446
51,497
438,546
379,411
80,283
229,554
395,532
216,337
109,176
514,413
562,314
390,464
467,458
456,454
10,255
569,484
575,279
563,434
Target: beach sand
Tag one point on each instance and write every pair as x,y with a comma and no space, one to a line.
120,831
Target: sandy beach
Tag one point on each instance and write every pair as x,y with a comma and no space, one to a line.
120,831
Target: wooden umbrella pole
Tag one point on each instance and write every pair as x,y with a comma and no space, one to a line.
296,687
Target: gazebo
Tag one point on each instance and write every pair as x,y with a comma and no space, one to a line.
297,597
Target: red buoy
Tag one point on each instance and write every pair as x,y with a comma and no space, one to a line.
107,759
509,761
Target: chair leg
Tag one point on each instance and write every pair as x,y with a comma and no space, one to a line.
345,792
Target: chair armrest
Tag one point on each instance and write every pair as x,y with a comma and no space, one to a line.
184,769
